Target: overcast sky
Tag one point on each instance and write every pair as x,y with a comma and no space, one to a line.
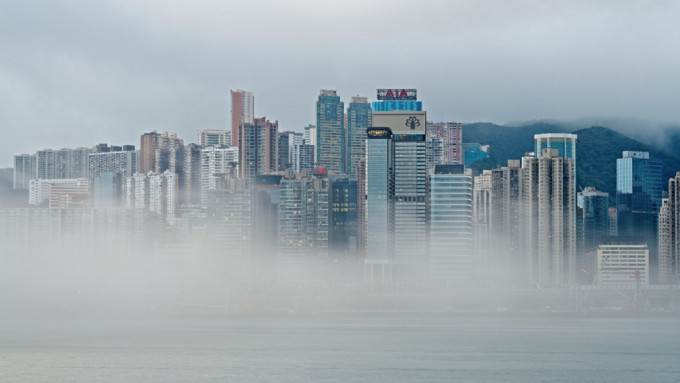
77,73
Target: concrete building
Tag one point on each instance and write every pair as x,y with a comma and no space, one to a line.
242,112
257,144
481,218
549,219
669,234
623,265
506,255
215,162
214,137
122,162
446,142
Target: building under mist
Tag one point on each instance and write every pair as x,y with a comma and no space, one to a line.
451,226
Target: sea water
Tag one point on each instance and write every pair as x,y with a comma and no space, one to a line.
368,347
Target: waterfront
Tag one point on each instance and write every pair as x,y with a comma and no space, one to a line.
342,347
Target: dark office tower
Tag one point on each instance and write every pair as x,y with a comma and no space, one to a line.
242,112
330,134
638,200
283,150
397,189
342,231
265,199
592,226
506,254
258,147
359,117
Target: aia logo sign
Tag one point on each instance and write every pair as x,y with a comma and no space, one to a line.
412,122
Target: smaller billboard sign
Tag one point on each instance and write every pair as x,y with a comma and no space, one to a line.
397,94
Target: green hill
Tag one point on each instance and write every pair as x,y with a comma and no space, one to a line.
597,149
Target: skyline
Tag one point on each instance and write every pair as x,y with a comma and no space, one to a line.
77,73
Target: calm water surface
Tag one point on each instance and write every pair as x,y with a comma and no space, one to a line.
342,348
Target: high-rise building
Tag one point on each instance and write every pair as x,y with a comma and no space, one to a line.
257,143
304,214
506,262
359,117
213,137
160,152
445,142
330,134
592,227
481,218
669,234
549,219
50,164
565,143
361,208
284,145
264,206
397,189
342,201
638,200
242,112
451,225
24,170
122,162
215,163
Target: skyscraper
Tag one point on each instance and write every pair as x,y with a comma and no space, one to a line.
330,134
593,225
242,112
451,225
359,117
397,204
638,200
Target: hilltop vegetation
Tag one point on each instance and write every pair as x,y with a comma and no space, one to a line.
597,149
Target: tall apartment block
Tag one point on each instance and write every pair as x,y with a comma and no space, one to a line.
506,260
215,163
445,143
242,112
669,234
549,207
257,144
214,137
330,132
481,219
112,160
